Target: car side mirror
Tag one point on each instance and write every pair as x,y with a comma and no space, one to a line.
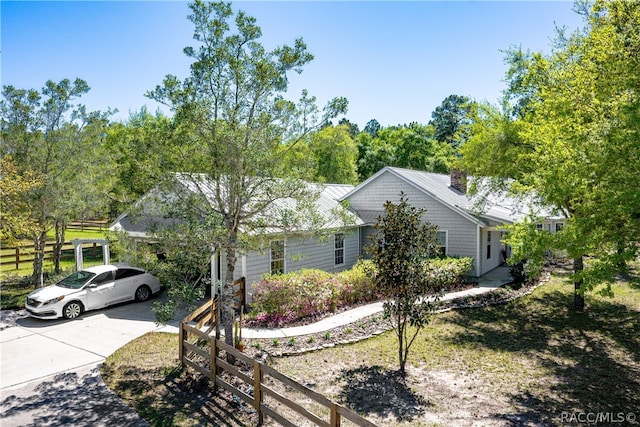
92,286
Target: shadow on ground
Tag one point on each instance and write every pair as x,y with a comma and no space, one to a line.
68,399
375,390
591,358
176,397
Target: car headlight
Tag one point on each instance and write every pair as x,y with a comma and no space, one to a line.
54,300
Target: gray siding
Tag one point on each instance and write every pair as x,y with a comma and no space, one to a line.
489,263
462,237
300,252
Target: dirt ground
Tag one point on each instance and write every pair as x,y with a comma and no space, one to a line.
388,398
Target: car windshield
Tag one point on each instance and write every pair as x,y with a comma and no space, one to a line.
76,280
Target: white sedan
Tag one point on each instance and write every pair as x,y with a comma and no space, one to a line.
92,288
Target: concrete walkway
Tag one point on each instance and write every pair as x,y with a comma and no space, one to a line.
487,283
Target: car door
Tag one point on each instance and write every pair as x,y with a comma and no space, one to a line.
127,281
101,291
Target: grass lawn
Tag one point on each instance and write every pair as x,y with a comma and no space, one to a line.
15,285
533,361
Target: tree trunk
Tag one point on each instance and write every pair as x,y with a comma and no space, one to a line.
39,244
402,324
578,297
61,227
227,302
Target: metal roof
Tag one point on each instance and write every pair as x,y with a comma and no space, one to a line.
482,209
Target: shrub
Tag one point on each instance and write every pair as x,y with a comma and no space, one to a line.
284,298
356,285
449,271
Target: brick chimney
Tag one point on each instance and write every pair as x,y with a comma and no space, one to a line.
459,180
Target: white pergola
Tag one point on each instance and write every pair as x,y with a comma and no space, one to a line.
77,248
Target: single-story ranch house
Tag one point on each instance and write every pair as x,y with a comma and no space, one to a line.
465,228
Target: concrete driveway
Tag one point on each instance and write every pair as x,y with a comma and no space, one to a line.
49,365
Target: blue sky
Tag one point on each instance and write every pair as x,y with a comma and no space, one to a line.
394,61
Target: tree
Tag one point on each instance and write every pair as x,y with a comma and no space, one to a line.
372,127
408,146
335,155
451,120
51,138
572,135
144,150
235,122
354,130
399,249
15,219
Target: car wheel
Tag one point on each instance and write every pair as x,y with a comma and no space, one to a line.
143,293
72,310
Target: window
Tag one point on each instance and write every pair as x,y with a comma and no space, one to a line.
559,226
338,246
277,257
123,273
103,278
488,245
442,244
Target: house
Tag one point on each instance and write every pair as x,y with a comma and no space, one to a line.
333,248
469,226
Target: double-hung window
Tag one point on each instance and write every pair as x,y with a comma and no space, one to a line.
441,238
338,249
277,257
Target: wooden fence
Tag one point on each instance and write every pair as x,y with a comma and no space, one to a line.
92,224
200,350
25,253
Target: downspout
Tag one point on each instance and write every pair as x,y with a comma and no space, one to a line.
243,260
478,246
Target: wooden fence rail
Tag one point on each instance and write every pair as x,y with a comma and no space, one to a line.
24,254
199,350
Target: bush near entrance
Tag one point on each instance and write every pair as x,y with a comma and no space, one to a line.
283,299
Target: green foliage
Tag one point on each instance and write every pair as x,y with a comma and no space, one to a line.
335,153
355,284
568,136
50,137
144,149
328,155
447,271
282,299
399,249
233,121
451,120
410,146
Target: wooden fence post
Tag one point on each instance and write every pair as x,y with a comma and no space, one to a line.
17,258
335,416
182,334
257,391
213,369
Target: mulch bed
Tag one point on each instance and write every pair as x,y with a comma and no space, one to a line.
261,349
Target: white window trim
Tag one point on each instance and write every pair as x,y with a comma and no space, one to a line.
284,255
335,249
446,241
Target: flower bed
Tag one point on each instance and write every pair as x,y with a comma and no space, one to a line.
283,299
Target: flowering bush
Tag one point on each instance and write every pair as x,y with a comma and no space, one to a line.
285,298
